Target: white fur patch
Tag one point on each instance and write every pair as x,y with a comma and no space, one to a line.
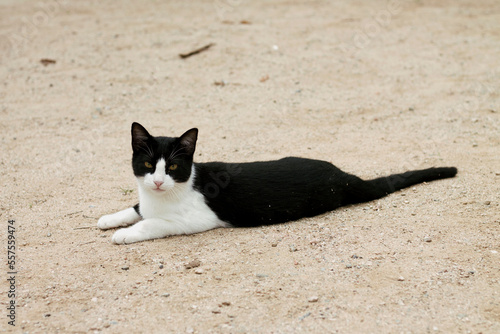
121,218
178,209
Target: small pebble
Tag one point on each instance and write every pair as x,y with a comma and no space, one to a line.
427,239
487,203
313,299
401,278
305,316
165,294
192,264
198,271
126,268
274,244
348,266
216,311
160,266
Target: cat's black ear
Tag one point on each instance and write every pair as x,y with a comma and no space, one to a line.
188,140
140,136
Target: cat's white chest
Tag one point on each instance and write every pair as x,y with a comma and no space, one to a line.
186,210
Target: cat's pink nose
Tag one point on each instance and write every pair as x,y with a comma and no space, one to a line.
158,183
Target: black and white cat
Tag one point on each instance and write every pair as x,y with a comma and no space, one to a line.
177,196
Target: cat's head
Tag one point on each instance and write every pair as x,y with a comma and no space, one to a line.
162,163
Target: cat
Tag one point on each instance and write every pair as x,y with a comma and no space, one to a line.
178,196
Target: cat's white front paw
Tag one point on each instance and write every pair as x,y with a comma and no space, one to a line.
108,221
127,236
121,218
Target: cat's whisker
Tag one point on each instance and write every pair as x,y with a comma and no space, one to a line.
176,193
173,155
150,152
147,149
144,147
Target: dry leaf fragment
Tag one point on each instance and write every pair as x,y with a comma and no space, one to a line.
46,61
220,83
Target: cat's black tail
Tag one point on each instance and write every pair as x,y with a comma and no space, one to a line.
364,191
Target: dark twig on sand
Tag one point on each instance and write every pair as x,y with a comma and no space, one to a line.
192,53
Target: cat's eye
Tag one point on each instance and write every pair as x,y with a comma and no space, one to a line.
172,167
148,165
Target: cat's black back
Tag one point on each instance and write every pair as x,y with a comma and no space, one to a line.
271,192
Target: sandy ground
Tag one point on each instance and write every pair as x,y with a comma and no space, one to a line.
375,87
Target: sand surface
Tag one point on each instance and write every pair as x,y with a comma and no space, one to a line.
375,87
